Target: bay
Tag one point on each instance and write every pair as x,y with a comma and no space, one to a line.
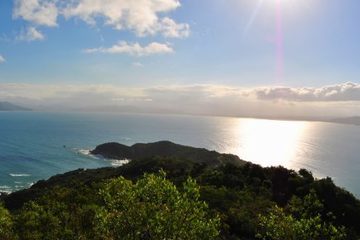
37,145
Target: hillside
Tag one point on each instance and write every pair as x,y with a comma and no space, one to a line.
243,196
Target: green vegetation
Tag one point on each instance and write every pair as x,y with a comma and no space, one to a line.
192,201
302,222
153,208
5,224
165,149
150,208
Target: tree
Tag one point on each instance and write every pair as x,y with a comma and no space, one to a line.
35,222
6,225
154,208
56,218
278,225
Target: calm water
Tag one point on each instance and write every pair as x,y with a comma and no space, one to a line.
35,146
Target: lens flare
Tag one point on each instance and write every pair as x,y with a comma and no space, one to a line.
253,16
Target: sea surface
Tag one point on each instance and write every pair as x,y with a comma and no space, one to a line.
36,145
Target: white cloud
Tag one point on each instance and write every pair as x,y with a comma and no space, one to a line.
31,34
143,17
134,49
169,28
2,59
140,16
334,93
38,12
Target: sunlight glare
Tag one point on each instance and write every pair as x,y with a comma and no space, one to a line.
268,142
288,5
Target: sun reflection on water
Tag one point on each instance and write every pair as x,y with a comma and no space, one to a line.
269,142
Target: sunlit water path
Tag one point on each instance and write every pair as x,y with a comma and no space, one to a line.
34,146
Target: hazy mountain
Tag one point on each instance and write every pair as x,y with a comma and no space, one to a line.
355,120
6,106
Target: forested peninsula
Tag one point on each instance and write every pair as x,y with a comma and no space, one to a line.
171,191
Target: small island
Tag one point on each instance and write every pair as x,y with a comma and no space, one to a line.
165,149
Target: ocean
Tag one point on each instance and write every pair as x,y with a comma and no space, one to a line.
36,145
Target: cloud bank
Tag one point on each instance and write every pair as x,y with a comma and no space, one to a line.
328,101
340,92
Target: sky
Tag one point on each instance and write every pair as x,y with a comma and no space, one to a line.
262,58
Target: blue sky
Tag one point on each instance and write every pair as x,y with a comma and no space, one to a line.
203,43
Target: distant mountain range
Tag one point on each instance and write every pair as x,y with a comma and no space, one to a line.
6,106
349,120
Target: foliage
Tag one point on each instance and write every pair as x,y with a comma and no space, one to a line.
153,208
86,204
278,225
150,208
6,224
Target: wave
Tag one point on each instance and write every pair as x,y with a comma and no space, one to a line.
113,162
85,152
5,189
19,175
118,163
